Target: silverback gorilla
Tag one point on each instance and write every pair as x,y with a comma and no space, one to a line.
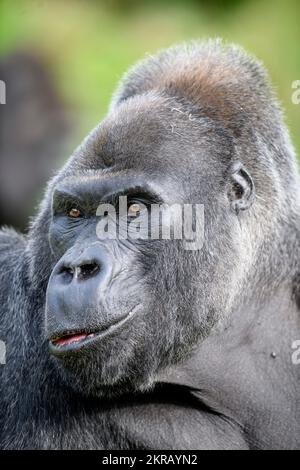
135,343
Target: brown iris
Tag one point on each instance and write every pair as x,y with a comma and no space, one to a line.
74,213
134,210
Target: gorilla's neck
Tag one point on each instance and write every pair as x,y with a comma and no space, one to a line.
276,266
235,367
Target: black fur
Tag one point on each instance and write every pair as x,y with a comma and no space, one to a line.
195,365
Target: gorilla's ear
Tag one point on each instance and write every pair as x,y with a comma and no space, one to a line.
241,190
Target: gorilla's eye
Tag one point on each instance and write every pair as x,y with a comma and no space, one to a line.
134,210
74,213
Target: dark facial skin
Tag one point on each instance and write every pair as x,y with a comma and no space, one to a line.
139,343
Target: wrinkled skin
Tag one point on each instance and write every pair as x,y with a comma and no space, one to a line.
189,348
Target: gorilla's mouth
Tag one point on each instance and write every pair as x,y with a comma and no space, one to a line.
68,341
72,338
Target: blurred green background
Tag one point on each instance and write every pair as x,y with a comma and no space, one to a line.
87,45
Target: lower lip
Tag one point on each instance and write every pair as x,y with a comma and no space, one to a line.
78,341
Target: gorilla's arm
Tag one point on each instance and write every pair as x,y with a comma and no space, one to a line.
12,249
12,275
12,280
10,242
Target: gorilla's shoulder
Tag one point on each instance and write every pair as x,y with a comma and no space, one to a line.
10,242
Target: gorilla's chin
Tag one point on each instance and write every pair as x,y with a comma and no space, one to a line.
93,381
104,366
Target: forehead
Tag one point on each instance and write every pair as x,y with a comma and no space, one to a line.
151,134
133,135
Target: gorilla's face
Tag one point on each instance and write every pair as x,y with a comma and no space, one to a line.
121,307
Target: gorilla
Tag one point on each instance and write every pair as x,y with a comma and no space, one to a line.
139,343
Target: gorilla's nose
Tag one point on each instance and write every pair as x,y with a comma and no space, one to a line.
79,268
77,287
83,271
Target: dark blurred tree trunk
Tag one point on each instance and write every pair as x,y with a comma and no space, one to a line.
33,130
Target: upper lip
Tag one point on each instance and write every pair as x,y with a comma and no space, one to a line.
91,334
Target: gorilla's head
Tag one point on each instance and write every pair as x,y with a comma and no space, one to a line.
192,126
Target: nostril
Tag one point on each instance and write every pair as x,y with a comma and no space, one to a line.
88,270
67,273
